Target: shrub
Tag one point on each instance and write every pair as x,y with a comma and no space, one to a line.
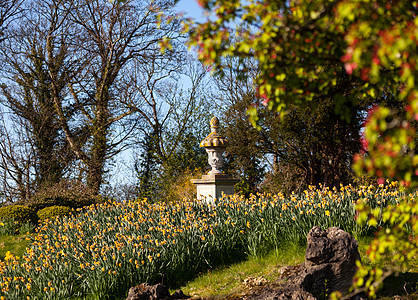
180,186
73,194
53,211
18,213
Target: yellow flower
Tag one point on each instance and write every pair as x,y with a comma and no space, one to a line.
327,213
8,256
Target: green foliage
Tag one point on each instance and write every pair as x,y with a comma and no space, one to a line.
304,48
168,176
19,213
313,140
65,193
382,37
53,211
286,178
394,248
245,148
187,162
350,51
312,144
244,188
181,187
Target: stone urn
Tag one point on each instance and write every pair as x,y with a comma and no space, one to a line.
215,145
215,183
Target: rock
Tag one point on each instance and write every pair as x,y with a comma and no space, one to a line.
178,295
144,291
330,261
330,265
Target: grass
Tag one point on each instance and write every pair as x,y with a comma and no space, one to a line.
220,283
228,283
16,244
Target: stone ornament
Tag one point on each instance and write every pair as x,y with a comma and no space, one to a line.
215,145
214,139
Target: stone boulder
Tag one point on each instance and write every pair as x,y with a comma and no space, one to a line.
144,291
330,265
330,261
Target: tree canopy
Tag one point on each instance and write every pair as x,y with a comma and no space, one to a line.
304,47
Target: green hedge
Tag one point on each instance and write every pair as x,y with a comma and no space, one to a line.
53,211
18,213
73,194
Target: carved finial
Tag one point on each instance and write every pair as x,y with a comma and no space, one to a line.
214,124
214,139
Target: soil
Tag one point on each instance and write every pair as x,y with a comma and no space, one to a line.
401,287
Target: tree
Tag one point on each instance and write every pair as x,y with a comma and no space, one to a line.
308,145
68,79
17,159
9,10
175,112
245,153
32,51
298,44
115,38
301,46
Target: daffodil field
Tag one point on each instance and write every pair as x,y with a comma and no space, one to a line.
103,250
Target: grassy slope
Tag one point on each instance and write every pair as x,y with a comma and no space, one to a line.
16,244
229,282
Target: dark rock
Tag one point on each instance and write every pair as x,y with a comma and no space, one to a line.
178,295
330,261
330,265
144,291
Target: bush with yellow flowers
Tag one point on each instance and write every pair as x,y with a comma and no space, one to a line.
18,213
106,248
53,211
17,219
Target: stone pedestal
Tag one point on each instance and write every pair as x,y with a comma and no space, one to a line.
212,186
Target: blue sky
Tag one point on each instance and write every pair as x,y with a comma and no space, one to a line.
190,8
